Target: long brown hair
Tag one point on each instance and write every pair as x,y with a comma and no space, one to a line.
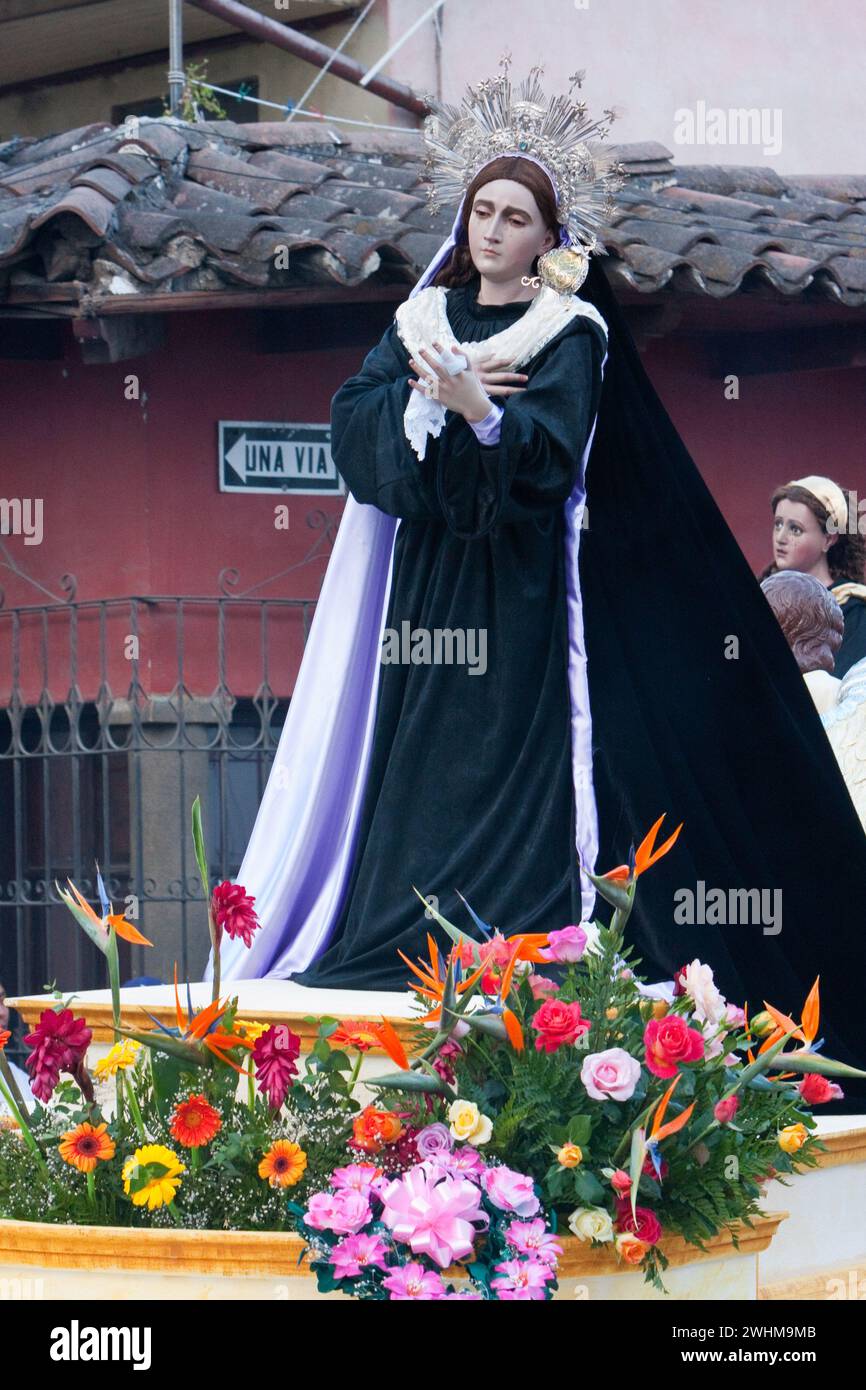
460,268
847,558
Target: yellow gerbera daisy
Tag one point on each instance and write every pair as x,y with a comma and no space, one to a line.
118,1058
156,1171
251,1030
284,1163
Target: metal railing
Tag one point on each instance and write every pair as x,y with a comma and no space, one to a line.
114,714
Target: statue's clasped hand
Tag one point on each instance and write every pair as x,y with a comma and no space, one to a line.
464,392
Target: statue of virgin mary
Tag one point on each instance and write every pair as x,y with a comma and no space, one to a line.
516,485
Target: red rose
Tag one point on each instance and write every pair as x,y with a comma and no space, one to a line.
645,1224
725,1110
558,1024
679,980
669,1041
817,1090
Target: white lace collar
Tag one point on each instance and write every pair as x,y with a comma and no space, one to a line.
424,317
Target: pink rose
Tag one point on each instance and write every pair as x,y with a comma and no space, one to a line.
558,1024
817,1090
610,1075
670,1041
510,1191
541,987
343,1212
620,1181
567,945
735,1017
725,1110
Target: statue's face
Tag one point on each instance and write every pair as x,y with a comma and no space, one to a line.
799,540
506,231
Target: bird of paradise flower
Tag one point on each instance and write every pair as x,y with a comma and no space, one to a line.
196,1034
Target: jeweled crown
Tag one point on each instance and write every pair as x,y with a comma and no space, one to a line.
492,121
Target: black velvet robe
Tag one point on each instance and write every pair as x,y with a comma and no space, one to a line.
470,783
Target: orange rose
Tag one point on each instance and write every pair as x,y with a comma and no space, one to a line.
570,1155
630,1248
372,1129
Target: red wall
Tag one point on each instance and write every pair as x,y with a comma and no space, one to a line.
132,505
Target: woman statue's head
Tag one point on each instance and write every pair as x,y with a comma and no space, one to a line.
508,220
809,616
802,538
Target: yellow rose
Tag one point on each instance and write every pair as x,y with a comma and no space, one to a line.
569,1155
660,1007
591,1223
792,1138
762,1024
467,1123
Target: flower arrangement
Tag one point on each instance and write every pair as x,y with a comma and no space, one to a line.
637,1111
546,1089
215,1120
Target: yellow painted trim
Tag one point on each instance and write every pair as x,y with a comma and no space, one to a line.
812,1287
848,1146
276,1253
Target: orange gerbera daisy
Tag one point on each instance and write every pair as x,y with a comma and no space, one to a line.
354,1033
362,1034
284,1163
85,1145
195,1122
